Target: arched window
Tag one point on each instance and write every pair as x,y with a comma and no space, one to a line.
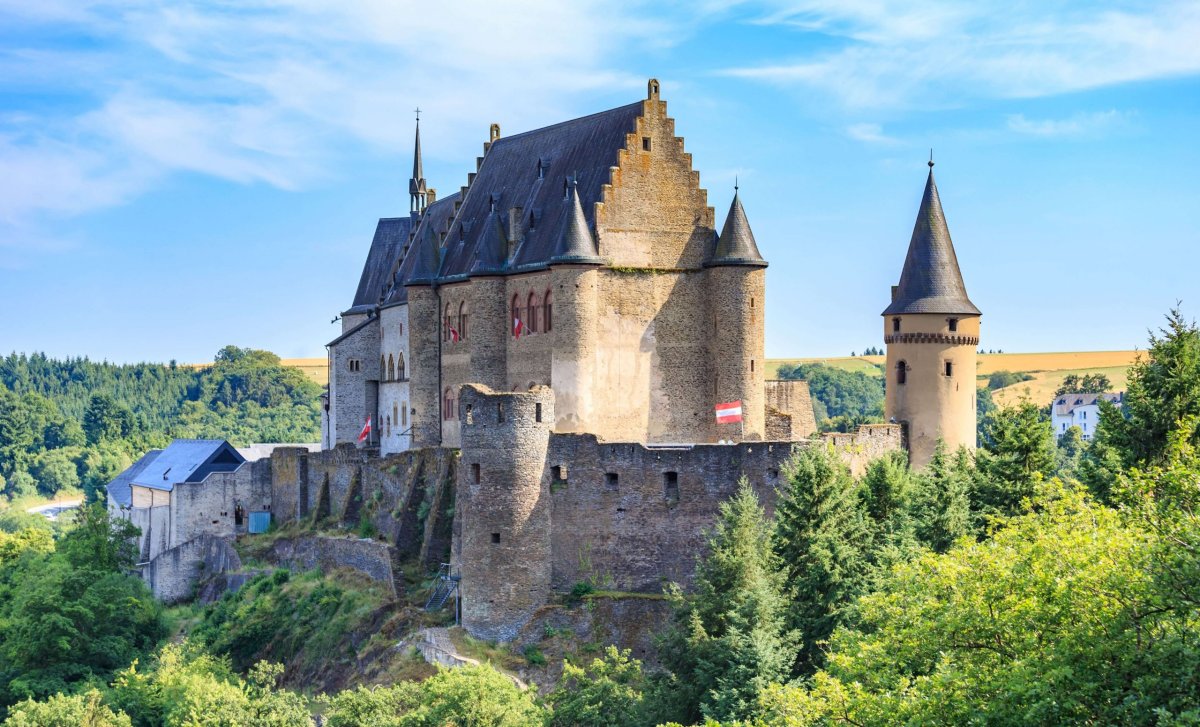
382,368
547,313
531,313
446,324
389,425
901,372
396,414
462,321
448,405
404,413
391,370
516,316
400,367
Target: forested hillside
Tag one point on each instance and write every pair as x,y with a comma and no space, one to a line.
72,423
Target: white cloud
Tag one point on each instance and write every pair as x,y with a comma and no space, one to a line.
869,133
890,54
1079,125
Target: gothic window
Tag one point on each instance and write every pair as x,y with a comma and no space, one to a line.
446,324
391,368
901,372
382,367
547,313
447,405
388,420
516,315
353,365
531,313
462,321
400,367
395,414
404,413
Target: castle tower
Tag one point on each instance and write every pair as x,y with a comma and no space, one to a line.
417,191
574,279
425,343
736,284
931,330
503,508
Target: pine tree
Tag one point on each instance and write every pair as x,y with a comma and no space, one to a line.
1017,453
941,503
730,637
822,541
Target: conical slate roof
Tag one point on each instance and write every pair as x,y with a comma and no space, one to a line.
428,259
931,281
492,251
736,244
576,244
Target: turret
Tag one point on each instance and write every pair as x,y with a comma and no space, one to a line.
574,283
503,508
736,282
418,194
931,329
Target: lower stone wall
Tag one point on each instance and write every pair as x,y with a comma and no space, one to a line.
369,557
172,576
789,415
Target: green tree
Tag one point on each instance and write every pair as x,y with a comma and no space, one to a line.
106,419
821,541
838,393
730,637
608,693
55,471
1069,453
16,433
1017,453
941,499
60,710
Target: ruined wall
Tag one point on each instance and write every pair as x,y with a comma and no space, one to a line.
789,411
369,557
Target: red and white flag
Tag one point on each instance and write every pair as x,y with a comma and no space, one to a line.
453,333
518,327
729,413
366,430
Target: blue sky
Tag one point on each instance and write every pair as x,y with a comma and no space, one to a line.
179,176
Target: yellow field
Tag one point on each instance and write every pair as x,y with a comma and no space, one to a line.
1040,389
314,368
1072,360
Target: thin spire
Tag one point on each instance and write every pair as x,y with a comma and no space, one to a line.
931,281
416,184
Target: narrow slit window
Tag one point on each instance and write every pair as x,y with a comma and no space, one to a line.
537,412
475,472
901,372
949,368
500,412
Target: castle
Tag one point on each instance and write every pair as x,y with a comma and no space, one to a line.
537,362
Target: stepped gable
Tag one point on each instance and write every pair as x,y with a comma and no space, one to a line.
436,218
931,281
736,245
533,171
386,248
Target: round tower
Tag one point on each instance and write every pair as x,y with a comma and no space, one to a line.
931,329
574,281
503,509
736,285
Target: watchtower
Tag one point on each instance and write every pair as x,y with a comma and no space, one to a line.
931,329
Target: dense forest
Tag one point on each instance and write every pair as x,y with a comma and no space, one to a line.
1025,583
77,423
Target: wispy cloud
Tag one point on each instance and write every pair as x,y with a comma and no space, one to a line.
269,90
870,133
895,55
1078,125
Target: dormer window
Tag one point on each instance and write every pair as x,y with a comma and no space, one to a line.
541,169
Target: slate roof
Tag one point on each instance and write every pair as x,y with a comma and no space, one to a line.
187,460
119,489
1068,403
931,281
736,245
434,221
391,234
532,171
576,243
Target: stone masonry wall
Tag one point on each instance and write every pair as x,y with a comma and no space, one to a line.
369,557
789,411
173,574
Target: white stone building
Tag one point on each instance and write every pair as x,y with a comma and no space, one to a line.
1079,410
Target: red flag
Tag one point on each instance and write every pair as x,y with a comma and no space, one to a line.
453,333
518,327
366,430
729,413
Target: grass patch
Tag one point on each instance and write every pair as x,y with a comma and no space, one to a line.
626,594
488,652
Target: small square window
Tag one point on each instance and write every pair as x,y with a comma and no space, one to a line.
558,473
645,143
495,538
610,480
953,324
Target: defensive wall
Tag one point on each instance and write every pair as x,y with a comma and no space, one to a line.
521,512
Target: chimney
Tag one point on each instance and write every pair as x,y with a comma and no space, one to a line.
430,196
